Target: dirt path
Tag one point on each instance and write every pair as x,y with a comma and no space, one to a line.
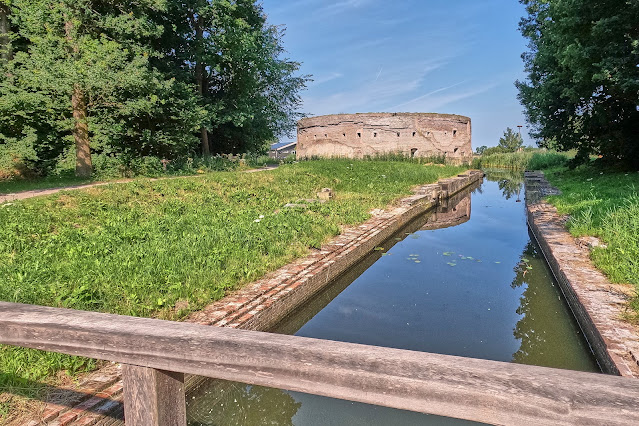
41,192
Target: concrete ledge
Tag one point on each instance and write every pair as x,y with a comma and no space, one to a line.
596,303
264,303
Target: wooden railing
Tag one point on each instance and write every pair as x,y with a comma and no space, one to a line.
156,354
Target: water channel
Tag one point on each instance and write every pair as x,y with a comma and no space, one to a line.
451,282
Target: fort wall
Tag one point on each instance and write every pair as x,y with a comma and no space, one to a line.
371,134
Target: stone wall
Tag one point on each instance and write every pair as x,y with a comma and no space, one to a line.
359,135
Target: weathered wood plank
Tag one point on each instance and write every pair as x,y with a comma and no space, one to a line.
472,389
153,397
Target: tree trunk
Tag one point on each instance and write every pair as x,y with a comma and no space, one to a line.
5,43
199,78
83,165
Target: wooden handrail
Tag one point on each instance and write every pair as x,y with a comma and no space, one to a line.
465,388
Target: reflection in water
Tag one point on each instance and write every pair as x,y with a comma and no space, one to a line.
510,182
229,403
541,329
451,212
465,290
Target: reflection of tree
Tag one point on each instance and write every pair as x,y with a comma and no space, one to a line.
228,403
533,338
546,330
509,188
510,182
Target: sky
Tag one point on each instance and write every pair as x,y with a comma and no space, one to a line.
444,56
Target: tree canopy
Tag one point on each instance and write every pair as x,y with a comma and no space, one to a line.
511,141
582,89
133,78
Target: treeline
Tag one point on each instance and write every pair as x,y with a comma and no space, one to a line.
136,78
582,90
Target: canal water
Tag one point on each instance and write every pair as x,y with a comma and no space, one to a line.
466,280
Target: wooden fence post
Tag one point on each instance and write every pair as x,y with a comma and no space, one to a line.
153,397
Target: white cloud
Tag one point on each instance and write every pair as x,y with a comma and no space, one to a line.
325,78
372,92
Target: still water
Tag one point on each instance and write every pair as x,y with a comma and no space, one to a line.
460,281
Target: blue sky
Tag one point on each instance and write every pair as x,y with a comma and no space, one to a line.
445,56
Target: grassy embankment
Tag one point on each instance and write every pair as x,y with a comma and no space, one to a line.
169,247
604,204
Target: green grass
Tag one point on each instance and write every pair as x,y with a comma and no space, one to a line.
19,185
604,204
167,248
533,160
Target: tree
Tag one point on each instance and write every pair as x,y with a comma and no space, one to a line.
5,30
85,77
582,89
480,149
132,78
510,142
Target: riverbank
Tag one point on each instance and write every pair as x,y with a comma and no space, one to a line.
265,302
597,304
168,248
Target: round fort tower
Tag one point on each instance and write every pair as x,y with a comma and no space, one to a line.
371,134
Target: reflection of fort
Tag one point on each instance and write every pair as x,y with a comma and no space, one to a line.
452,211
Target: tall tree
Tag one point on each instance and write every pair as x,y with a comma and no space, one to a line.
87,74
511,141
5,41
236,61
582,89
130,78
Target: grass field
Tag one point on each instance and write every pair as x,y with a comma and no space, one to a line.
604,204
167,248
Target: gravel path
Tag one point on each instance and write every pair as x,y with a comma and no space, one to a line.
41,192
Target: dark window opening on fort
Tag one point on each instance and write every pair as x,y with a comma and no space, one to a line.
315,136
414,133
359,135
325,135
454,133
456,149
397,134
375,134
344,134
413,152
